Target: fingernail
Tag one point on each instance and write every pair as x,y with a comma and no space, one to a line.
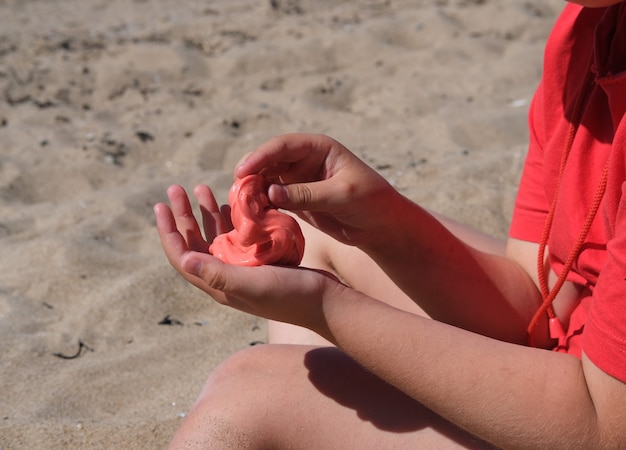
192,266
242,161
277,194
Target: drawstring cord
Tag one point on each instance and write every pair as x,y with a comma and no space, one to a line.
548,295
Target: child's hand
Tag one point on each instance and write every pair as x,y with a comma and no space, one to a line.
285,294
325,184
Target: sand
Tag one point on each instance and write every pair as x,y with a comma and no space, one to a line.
104,103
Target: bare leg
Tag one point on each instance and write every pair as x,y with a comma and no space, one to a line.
290,396
357,270
351,266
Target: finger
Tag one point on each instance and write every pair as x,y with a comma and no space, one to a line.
228,284
213,221
173,243
185,221
316,196
239,284
226,215
265,291
276,154
176,248
240,163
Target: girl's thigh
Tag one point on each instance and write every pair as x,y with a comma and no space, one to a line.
353,267
288,396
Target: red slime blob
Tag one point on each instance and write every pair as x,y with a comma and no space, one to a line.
261,234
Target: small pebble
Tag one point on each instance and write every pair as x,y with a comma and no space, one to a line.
518,103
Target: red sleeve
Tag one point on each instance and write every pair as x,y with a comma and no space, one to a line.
604,338
531,205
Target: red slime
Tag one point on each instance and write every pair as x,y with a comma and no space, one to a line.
261,234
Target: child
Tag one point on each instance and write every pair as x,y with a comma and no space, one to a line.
418,332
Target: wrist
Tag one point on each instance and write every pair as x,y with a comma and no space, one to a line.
400,225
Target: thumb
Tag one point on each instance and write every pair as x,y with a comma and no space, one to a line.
206,271
300,196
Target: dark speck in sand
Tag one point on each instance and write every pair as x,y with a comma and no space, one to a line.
81,348
144,136
167,320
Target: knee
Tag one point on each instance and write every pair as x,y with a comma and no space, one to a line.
316,247
234,404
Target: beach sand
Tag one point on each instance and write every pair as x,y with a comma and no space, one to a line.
103,104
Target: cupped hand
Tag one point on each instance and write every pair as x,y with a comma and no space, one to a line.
292,295
325,184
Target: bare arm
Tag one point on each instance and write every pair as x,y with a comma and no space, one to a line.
491,294
510,395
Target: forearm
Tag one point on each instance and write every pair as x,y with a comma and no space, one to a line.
510,395
453,282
